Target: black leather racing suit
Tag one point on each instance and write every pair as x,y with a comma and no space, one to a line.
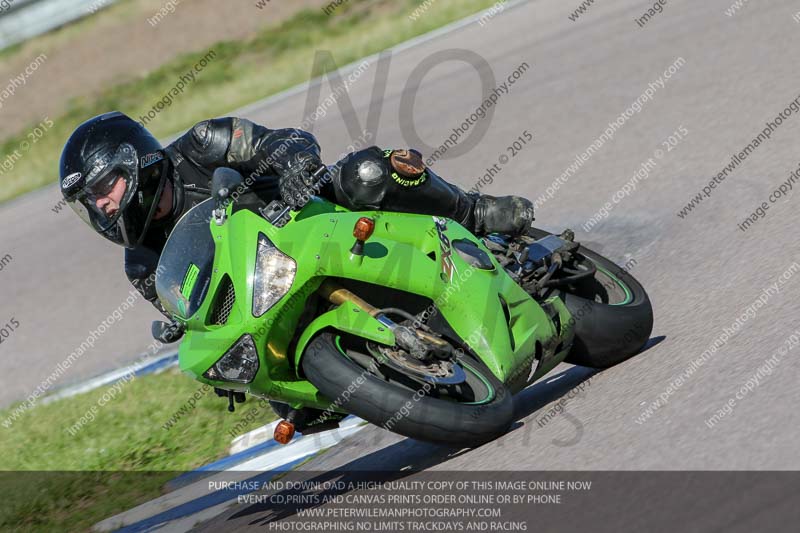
391,180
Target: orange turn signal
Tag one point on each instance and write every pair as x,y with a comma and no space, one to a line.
363,228
284,432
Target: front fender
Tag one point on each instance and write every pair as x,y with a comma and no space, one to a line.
348,318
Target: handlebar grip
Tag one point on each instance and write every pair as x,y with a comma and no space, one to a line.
276,211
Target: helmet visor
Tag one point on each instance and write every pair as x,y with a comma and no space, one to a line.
101,198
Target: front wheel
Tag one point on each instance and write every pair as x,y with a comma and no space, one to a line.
612,313
476,410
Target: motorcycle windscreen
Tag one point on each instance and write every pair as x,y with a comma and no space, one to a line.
184,269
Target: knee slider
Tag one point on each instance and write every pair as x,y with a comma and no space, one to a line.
408,169
407,163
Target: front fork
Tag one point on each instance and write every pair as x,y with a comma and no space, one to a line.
420,344
415,341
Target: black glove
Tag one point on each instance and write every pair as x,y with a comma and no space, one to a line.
295,178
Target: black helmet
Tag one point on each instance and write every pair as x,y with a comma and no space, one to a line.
99,153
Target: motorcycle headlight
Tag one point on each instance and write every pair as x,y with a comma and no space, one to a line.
239,364
275,272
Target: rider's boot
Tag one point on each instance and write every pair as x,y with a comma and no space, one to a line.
503,214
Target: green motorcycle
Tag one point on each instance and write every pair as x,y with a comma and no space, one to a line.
408,321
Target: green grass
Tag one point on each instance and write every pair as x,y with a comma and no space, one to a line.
60,37
241,72
54,481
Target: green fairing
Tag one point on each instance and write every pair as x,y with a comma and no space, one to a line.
405,253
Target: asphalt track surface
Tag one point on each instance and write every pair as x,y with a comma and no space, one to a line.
701,272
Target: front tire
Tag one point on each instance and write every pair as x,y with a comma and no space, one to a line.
401,409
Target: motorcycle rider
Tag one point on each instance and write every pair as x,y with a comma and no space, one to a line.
130,189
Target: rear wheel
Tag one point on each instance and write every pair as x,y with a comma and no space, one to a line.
464,405
612,313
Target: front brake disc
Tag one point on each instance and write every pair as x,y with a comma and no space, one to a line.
436,371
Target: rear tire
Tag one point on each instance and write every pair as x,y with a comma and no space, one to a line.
606,334
379,401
